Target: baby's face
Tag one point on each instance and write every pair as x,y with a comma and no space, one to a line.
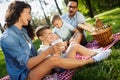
58,23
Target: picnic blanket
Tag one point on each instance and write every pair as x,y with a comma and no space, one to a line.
67,74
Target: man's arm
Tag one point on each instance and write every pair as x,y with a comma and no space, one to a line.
86,26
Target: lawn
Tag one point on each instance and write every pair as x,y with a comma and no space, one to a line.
107,69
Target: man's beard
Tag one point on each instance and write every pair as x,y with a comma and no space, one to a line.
71,14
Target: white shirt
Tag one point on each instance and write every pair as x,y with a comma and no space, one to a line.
44,47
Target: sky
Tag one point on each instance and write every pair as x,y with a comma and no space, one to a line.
36,8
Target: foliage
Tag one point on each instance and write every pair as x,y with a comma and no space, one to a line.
36,43
107,69
37,22
97,6
108,18
81,7
3,70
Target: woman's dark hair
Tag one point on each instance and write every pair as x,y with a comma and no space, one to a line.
30,30
13,12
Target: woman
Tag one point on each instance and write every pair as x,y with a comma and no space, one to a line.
20,54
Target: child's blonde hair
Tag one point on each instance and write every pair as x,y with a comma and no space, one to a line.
55,17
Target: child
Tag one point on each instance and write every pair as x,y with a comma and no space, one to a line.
46,36
64,30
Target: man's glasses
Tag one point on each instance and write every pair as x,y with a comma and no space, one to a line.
73,7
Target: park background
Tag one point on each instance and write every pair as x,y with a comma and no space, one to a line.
108,11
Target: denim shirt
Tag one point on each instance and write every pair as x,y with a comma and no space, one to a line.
17,52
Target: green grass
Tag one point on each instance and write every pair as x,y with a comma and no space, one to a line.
3,70
108,69
111,18
37,43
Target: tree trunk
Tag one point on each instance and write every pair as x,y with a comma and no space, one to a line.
88,3
47,20
58,7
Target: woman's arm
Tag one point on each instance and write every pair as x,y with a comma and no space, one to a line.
34,61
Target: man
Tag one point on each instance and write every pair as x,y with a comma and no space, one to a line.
74,18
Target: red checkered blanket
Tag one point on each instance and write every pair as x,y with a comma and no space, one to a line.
67,74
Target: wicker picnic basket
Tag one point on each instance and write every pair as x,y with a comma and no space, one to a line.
102,34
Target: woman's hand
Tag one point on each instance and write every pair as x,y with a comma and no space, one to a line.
56,48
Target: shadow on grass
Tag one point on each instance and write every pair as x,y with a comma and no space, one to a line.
3,70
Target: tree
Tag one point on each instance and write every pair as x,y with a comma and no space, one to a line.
88,4
58,7
47,18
